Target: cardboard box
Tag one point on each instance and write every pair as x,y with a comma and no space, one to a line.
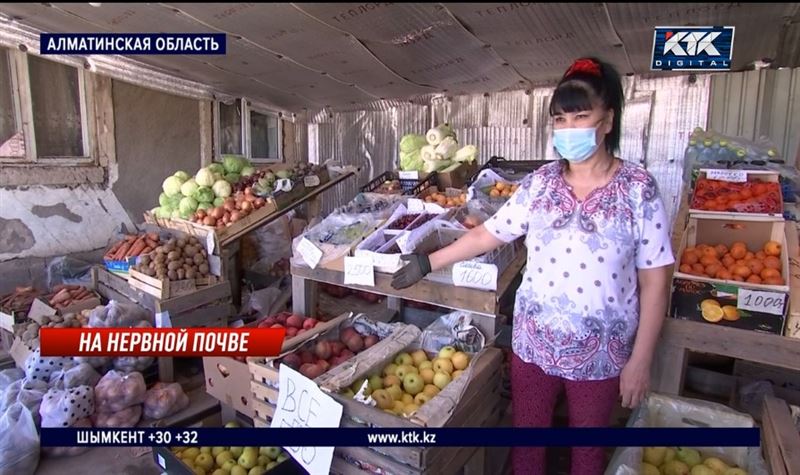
689,291
737,178
228,380
458,177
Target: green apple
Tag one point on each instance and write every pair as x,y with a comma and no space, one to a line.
447,352
375,382
419,357
273,452
670,455
237,451
421,399
204,461
425,364
735,471
199,470
191,453
205,450
248,458
716,464
443,365
232,425
221,471
283,456
702,470
218,450
404,370
676,467
654,455
263,460
395,392
188,462
440,380
271,465
390,369
648,469
690,457
223,457
229,464
238,470
403,359
257,470
413,384
383,399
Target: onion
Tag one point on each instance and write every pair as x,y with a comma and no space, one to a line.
201,213
259,202
218,212
248,191
209,221
250,198
235,216
229,206
246,206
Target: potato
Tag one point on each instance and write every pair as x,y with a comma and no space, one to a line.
204,270
145,260
199,259
172,242
160,250
58,325
194,241
181,274
188,260
190,251
191,273
174,265
173,275
181,243
174,255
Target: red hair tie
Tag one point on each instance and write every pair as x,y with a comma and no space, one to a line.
586,66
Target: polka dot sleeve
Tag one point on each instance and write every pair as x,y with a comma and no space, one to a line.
654,248
511,220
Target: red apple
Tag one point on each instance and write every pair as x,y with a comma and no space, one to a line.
323,350
295,321
281,318
268,322
306,357
370,340
348,333
337,347
355,343
324,365
346,354
309,323
291,332
277,325
292,360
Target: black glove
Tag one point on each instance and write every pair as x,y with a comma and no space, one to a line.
418,267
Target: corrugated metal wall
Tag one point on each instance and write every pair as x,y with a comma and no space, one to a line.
516,125
756,104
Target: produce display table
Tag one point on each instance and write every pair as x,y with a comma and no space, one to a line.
484,304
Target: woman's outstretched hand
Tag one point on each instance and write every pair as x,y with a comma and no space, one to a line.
417,267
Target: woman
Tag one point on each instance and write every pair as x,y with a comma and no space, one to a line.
591,304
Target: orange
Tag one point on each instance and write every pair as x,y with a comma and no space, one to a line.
712,269
754,279
760,255
741,262
698,268
708,260
739,244
724,274
774,281
738,278
705,303
686,268
722,249
738,252
772,248
772,262
755,266
730,313
742,271
710,252
749,256
769,273
713,313
689,257
728,261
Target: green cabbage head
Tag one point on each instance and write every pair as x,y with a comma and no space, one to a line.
172,186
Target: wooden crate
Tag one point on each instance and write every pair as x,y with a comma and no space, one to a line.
480,405
781,441
166,289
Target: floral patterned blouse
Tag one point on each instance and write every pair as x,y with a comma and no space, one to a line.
577,310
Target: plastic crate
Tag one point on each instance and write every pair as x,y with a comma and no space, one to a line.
511,169
409,187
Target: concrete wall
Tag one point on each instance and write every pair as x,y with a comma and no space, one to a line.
156,135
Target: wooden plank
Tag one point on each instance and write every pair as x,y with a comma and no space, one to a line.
120,286
305,293
670,368
191,301
460,298
371,457
757,347
781,439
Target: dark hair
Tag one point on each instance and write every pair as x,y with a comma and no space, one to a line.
589,80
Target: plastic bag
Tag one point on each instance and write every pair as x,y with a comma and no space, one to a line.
69,451
454,329
83,374
128,417
65,407
477,190
377,205
25,392
97,362
8,376
660,410
130,364
752,395
68,270
164,400
19,441
334,235
119,315
39,368
117,391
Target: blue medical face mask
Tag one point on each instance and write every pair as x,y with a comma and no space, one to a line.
576,145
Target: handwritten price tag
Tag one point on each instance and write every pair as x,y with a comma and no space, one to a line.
760,301
416,205
412,175
210,243
311,181
284,184
402,242
359,271
475,275
311,253
734,176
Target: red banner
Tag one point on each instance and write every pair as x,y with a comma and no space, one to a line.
190,342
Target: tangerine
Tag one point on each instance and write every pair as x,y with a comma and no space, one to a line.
742,271
754,279
769,273
712,269
749,256
713,313
756,266
773,281
709,252
772,248
772,262
724,274
728,261
738,252
731,313
738,278
699,268
708,260
689,257
760,255
685,268
722,249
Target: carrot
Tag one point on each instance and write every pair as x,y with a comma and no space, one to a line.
147,250
153,237
151,243
122,251
136,247
59,288
61,296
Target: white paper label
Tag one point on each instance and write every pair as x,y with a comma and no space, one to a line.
359,271
311,253
735,176
416,205
412,175
475,275
163,321
311,181
760,301
210,243
40,309
386,261
284,184
402,242
161,462
215,265
7,322
237,324
302,404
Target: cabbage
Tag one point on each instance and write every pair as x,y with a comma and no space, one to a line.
435,165
410,161
219,201
247,171
466,154
188,206
163,212
412,143
174,201
204,194
216,168
233,163
182,175
204,206
163,199
222,189
204,177
189,187
175,214
172,186
446,149
232,178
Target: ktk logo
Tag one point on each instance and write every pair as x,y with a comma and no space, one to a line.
696,43
692,48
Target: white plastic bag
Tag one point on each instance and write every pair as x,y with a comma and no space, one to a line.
117,391
119,315
39,368
454,329
127,417
8,376
69,451
25,392
130,364
80,375
65,407
97,362
164,400
19,442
